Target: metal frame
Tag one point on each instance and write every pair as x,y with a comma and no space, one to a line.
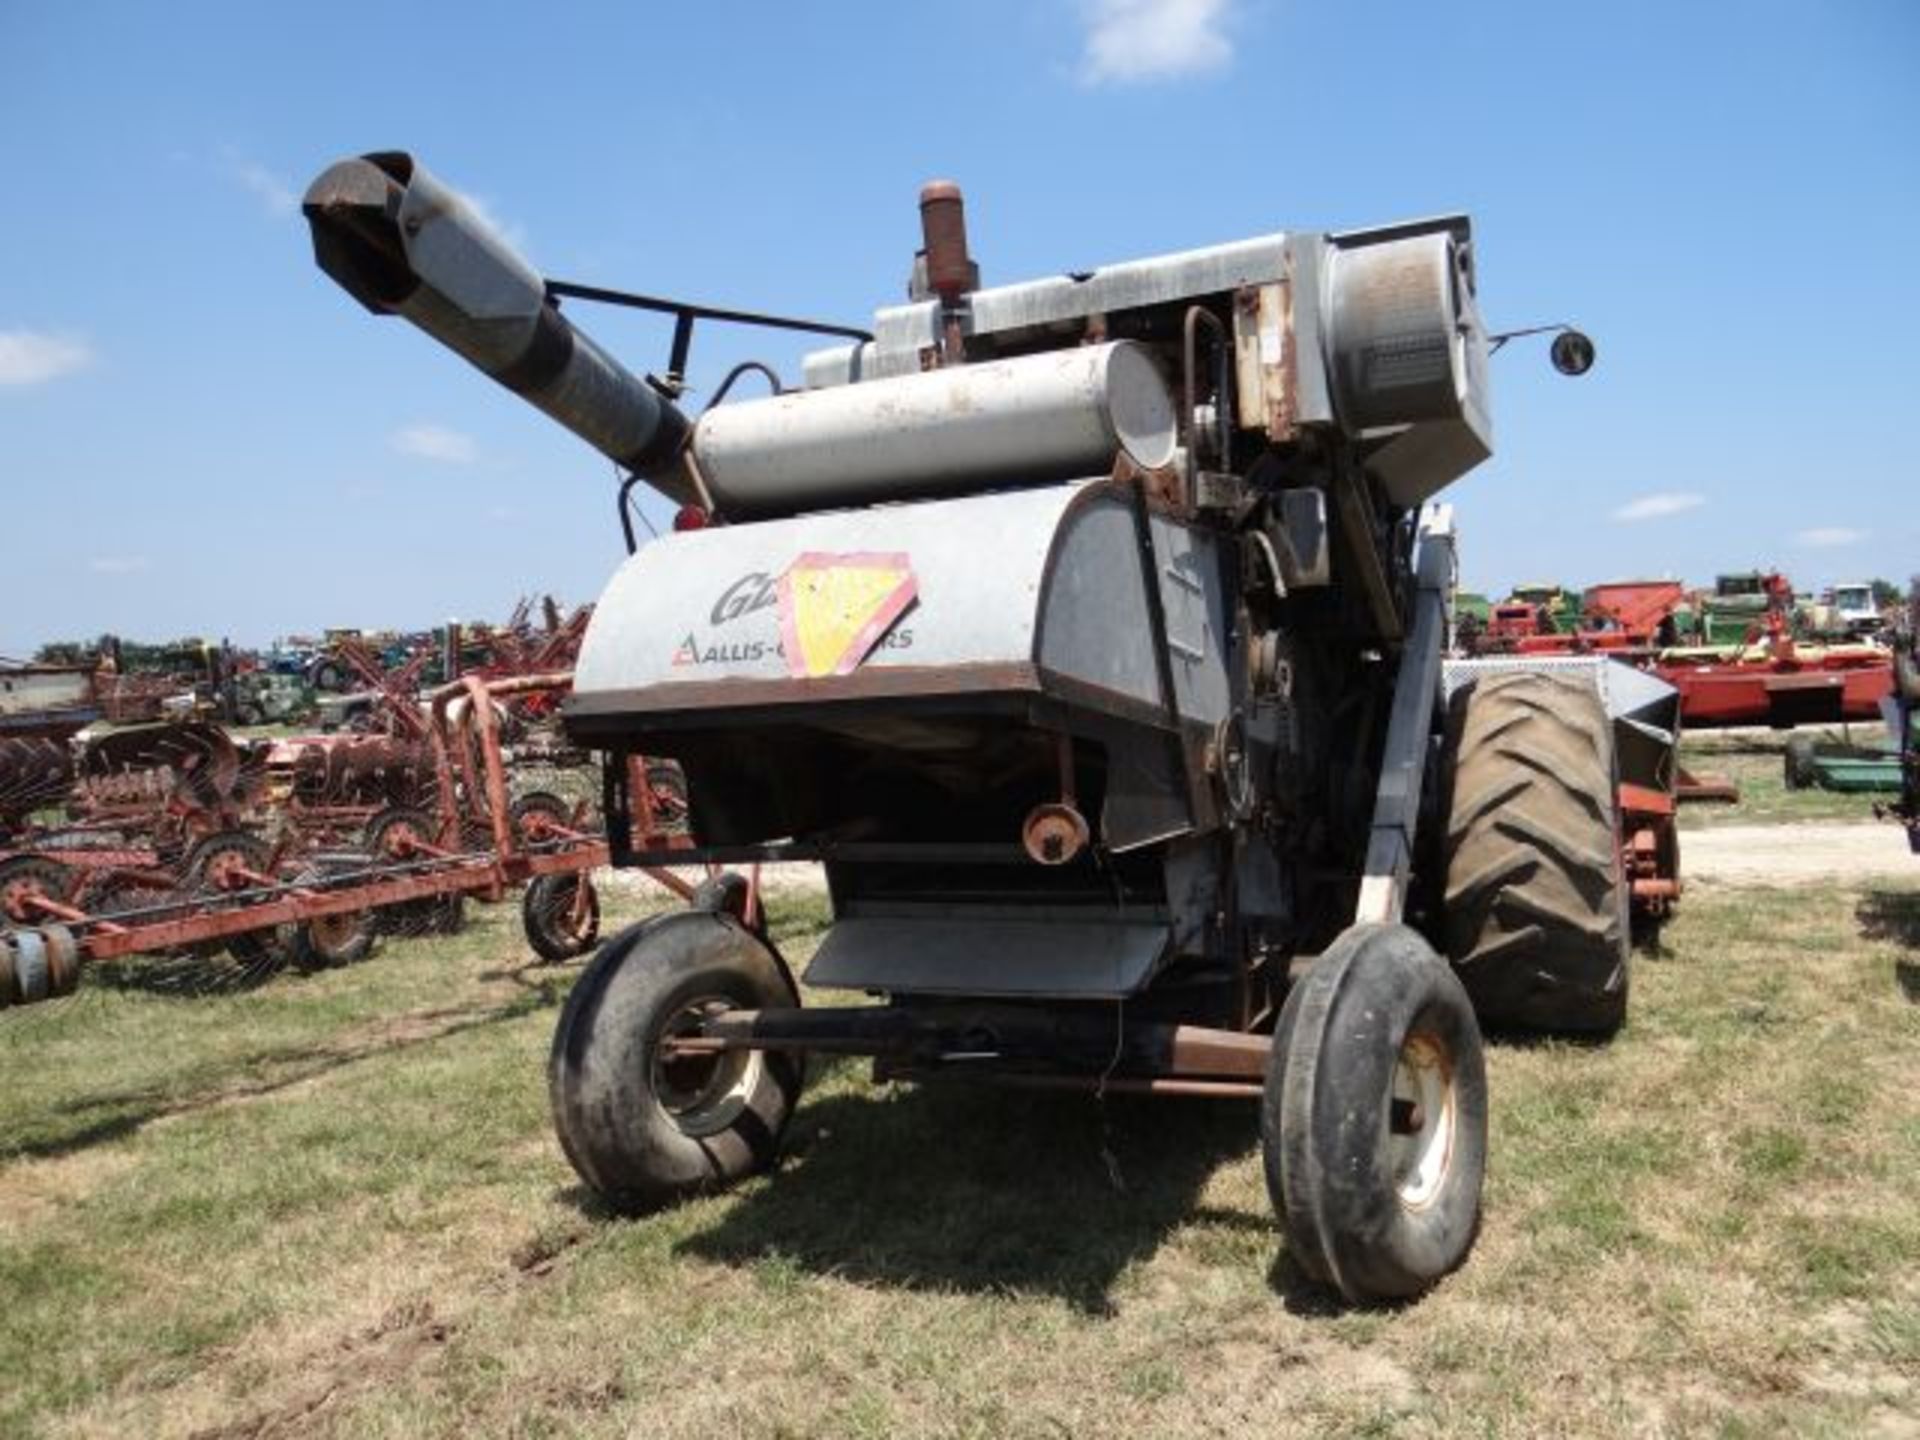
1117,1054
1403,761
685,313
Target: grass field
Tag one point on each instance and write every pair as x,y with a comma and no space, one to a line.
333,1206
1755,761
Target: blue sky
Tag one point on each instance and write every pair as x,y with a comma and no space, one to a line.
200,434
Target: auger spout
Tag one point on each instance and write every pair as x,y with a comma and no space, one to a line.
402,243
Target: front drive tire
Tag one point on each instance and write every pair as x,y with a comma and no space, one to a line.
1536,908
1373,1119
643,1130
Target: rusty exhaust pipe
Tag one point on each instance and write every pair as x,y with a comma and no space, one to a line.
951,273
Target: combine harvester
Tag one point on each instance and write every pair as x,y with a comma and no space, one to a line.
1090,630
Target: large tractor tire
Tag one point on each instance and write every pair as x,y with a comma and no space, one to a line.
1536,901
644,1127
1373,1118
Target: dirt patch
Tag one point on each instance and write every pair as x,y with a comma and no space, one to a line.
1774,855
403,1338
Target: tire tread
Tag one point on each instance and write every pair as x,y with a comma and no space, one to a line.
1534,915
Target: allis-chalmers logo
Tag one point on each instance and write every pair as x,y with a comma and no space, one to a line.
753,591
748,595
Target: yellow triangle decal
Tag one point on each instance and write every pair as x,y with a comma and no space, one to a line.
835,608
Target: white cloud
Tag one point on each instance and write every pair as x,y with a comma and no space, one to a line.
1659,505
1828,537
28,357
273,193
514,235
436,442
277,198
117,564
1129,41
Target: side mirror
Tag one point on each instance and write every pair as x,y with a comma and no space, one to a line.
1571,353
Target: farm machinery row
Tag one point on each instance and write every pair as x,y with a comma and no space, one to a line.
348,679
228,860
369,682
1742,655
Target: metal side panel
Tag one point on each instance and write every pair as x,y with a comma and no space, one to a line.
1096,626
1193,598
703,606
1034,959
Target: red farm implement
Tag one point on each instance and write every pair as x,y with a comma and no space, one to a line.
272,900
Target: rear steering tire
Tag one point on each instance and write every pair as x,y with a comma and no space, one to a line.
1373,1118
642,1127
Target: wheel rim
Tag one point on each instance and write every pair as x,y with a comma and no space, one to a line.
334,932
17,895
399,841
221,870
538,822
1422,1119
703,1094
565,917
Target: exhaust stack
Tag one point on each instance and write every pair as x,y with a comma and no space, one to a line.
402,243
950,271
